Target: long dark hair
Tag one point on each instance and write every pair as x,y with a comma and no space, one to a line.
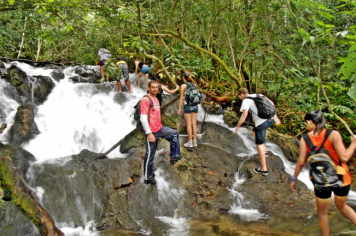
317,117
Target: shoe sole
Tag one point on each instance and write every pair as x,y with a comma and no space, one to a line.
265,174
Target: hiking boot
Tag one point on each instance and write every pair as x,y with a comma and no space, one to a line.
195,144
150,181
174,160
259,171
188,144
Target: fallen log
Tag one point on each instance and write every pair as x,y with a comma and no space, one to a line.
21,196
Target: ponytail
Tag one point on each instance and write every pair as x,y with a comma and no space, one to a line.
317,117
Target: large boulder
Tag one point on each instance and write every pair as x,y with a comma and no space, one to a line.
43,87
24,127
35,88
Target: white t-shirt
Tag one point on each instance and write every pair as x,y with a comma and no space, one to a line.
248,104
104,54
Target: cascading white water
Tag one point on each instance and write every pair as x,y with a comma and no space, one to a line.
79,116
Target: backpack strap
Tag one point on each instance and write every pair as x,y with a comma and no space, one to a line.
310,143
149,110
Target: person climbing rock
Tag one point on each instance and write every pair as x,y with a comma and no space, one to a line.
104,55
191,98
153,130
331,141
144,70
122,72
264,114
165,88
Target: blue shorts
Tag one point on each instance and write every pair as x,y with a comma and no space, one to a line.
190,109
145,70
260,131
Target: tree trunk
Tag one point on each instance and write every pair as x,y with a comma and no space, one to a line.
23,38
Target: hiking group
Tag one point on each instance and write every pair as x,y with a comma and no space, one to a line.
321,149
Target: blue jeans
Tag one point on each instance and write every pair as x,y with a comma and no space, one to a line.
171,136
190,109
260,131
145,70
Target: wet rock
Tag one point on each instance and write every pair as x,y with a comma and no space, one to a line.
86,75
2,65
57,75
43,87
24,127
289,145
213,108
19,156
18,79
230,118
134,139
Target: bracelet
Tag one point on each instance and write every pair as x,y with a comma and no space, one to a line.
293,179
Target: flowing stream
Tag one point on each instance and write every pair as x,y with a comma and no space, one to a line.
79,116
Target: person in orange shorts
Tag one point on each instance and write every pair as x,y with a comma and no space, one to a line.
340,155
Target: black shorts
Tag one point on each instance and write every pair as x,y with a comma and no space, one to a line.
325,193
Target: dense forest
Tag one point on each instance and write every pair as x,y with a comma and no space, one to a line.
301,53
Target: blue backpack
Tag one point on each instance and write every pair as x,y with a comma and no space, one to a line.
192,95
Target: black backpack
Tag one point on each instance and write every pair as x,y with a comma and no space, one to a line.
265,108
137,114
323,171
192,95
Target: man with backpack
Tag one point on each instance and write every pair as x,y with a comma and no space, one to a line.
150,119
264,114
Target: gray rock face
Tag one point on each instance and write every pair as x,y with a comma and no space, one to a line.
86,75
41,85
24,127
57,75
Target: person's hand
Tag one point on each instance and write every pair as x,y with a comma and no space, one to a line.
277,121
237,129
293,186
353,139
180,111
151,138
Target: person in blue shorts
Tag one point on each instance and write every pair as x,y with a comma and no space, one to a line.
144,70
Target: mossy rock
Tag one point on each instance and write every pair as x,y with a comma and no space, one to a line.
172,121
133,140
230,118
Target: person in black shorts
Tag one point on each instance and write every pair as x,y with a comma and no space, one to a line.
122,72
315,123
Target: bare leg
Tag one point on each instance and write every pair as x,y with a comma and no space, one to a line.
188,119
139,79
346,210
107,77
194,125
118,83
127,82
102,71
146,80
322,206
261,149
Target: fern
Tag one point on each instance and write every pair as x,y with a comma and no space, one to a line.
342,109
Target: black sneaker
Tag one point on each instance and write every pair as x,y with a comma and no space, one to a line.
150,181
259,171
173,161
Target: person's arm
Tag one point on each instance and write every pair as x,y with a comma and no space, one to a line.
242,120
301,161
181,100
168,90
136,66
343,153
